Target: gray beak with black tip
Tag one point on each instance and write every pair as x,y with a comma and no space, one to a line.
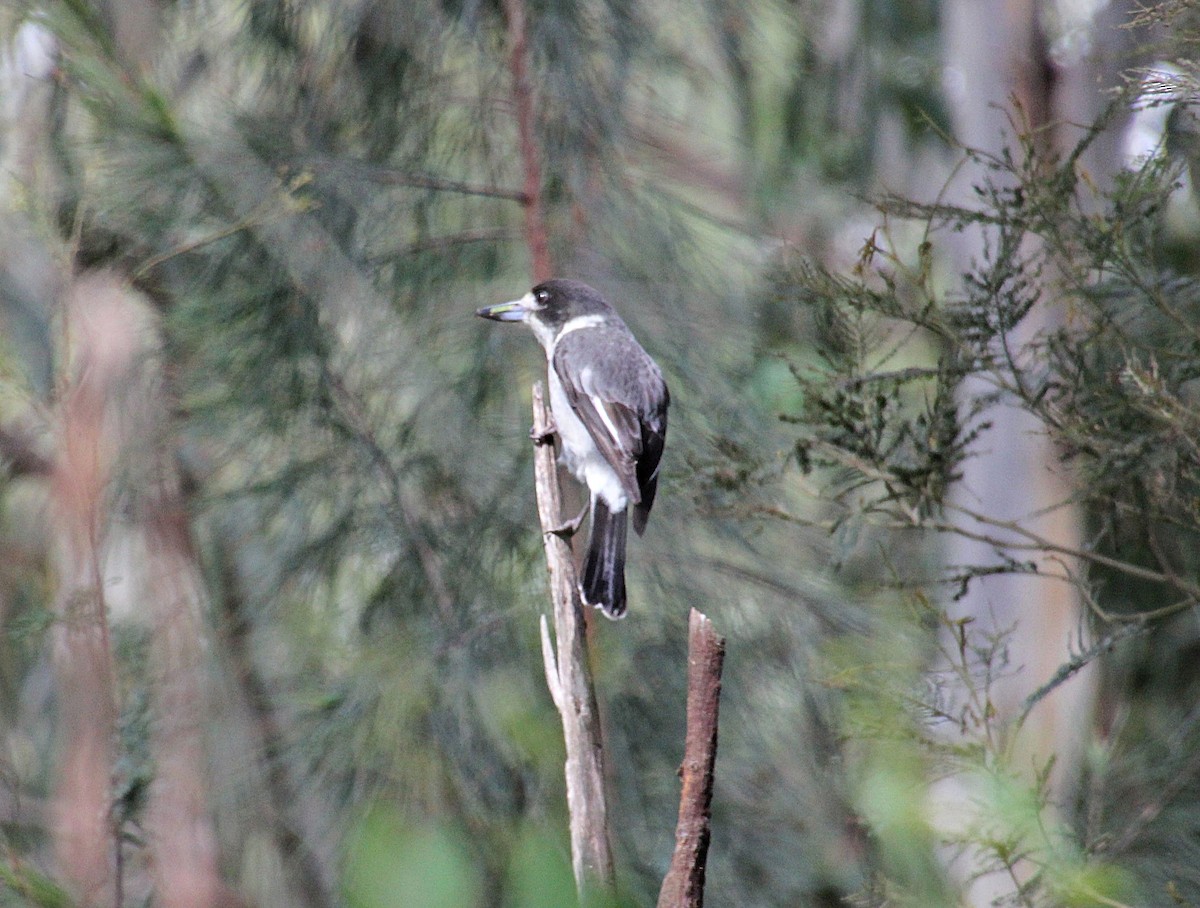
507,312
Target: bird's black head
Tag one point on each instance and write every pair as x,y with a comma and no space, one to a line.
550,305
564,299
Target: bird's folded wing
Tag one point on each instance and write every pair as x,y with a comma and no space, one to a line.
614,426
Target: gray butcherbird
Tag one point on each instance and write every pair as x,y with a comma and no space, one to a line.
609,403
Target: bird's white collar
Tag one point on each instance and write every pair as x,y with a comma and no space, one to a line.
548,340
579,322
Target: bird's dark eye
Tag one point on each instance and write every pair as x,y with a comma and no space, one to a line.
542,295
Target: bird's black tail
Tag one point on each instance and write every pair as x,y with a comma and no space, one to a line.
604,570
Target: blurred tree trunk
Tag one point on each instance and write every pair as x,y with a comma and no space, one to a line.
182,840
31,280
84,833
998,61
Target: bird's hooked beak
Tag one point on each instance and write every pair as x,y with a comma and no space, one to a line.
508,312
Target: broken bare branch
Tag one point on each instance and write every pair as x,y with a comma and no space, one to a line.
683,886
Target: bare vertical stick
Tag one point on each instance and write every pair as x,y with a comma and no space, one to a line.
568,676
683,886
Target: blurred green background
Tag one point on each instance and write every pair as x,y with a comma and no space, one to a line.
270,475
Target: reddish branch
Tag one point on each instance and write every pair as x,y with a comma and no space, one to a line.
518,63
683,886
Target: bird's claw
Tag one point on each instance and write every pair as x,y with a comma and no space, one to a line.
569,528
543,434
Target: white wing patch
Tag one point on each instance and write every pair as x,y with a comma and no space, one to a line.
585,382
579,452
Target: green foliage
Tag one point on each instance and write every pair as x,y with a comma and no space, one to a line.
33,887
913,368
314,197
393,863
1109,380
540,873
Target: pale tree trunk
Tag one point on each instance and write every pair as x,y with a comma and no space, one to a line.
80,469
117,433
84,832
997,61
181,840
